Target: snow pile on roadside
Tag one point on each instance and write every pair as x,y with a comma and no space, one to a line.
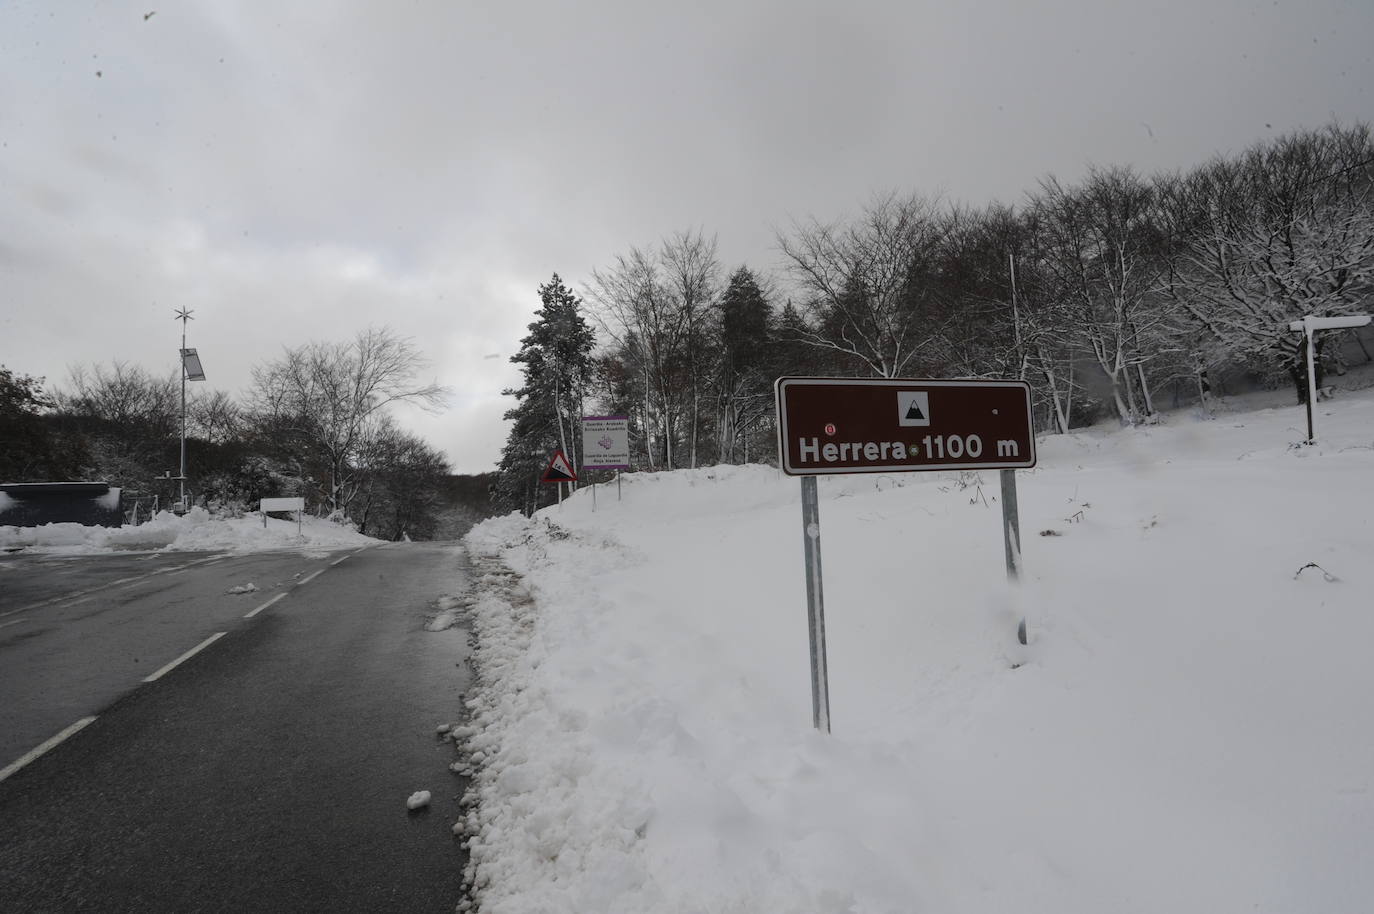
1188,730
196,531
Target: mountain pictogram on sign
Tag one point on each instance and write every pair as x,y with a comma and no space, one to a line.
559,469
913,408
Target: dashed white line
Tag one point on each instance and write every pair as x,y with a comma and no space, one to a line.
186,656
338,560
48,746
265,605
11,622
310,577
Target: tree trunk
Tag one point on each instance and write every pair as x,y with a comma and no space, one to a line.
1145,389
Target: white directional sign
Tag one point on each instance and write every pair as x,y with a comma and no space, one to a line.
605,443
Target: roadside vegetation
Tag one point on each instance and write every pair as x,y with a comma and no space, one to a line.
1116,296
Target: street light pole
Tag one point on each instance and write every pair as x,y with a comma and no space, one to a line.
191,370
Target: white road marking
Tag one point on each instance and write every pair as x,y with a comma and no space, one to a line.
186,656
338,560
264,606
134,580
11,622
310,577
46,747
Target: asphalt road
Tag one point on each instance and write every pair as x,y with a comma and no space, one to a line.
268,771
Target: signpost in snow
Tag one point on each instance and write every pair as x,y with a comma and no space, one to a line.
296,504
1308,327
606,446
896,425
559,471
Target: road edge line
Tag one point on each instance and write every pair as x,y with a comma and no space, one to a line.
45,747
265,605
186,656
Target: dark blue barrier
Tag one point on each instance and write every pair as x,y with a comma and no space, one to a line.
31,504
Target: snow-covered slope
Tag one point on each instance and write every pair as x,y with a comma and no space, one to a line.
197,530
1189,729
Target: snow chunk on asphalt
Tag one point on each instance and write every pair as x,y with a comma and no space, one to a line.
243,588
417,799
447,616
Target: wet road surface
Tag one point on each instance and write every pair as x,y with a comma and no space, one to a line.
270,770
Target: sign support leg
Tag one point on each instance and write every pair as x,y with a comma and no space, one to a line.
1011,537
815,604
1311,385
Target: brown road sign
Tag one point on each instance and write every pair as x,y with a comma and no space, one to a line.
896,425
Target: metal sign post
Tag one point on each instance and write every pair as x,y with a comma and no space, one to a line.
1011,537
1308,327
897,425
815,604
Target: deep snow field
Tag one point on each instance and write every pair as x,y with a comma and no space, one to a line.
196,531
1189,730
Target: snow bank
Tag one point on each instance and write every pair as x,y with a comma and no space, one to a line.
196,531
1187,731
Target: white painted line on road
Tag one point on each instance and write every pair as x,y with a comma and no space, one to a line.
310,577
264,606
47,602
76,602
11,622
51,744
81,593
338,560
186,656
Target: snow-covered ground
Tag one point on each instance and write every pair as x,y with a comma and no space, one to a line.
198,530
1189,730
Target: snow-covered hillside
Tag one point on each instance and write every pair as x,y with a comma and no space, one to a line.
1189,729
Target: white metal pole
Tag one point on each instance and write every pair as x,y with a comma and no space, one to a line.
1011,538
815,604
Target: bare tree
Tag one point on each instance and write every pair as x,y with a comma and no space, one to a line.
214,417
856,281
325,395
658,306
1102,251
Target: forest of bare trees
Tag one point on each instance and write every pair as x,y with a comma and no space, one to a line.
1112,296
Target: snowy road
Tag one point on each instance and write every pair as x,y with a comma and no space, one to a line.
224,751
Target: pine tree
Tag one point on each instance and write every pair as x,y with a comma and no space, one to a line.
746,373
556,359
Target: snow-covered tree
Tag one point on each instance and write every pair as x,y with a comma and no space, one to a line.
1284,231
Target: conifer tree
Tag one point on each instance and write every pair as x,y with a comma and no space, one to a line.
556,359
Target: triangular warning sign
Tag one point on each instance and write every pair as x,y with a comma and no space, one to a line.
559,470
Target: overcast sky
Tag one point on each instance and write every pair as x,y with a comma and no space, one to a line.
296,170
